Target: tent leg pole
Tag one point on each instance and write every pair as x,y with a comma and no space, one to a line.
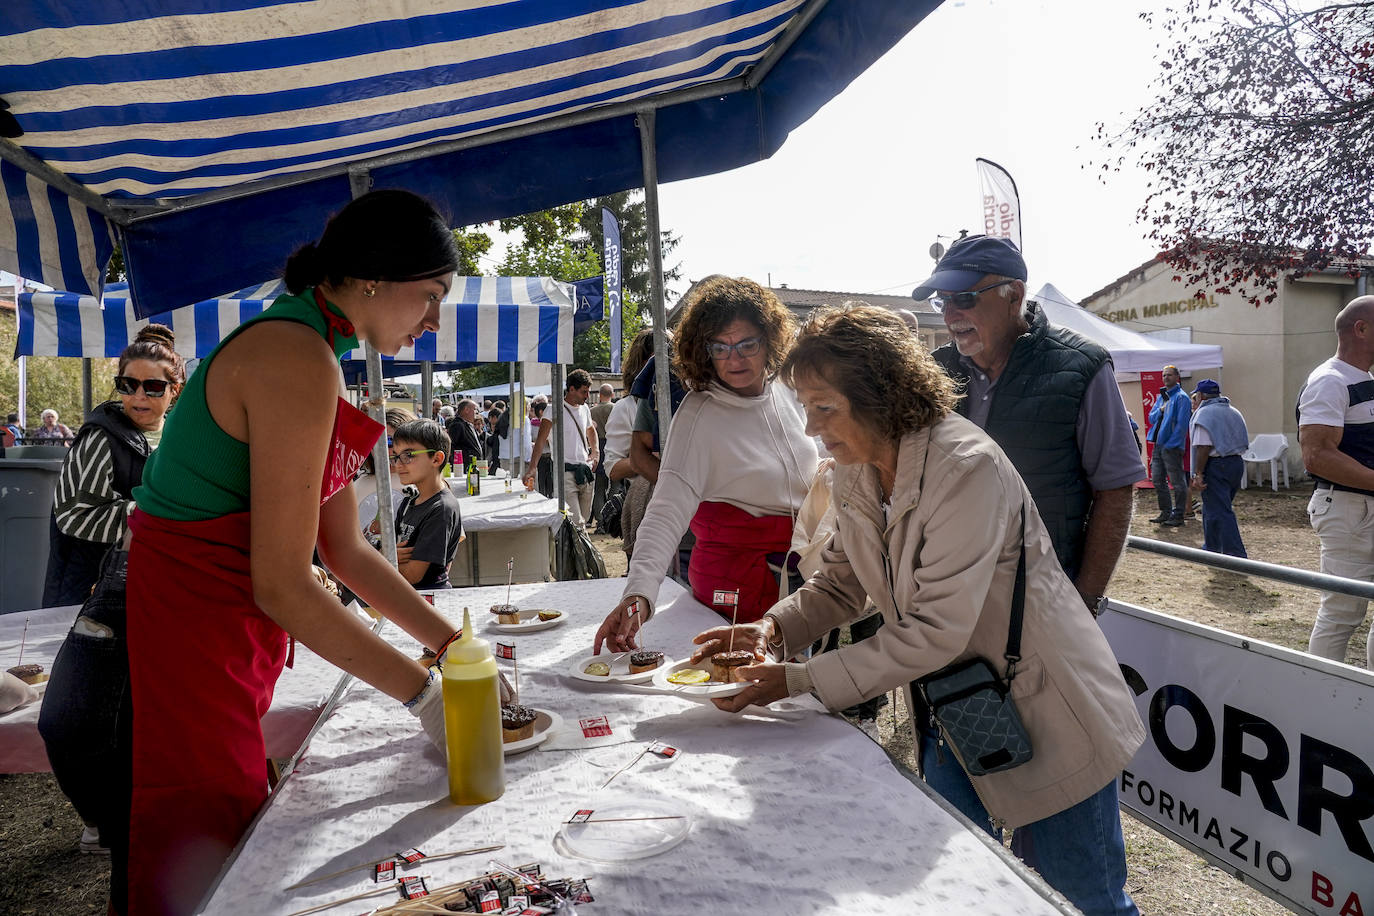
648,153
556,446
511,417
426,388
86,385
360,182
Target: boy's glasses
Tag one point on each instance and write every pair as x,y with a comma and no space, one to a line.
406,457
152,387
961,301
746,348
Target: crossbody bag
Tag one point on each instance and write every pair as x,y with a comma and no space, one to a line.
972,704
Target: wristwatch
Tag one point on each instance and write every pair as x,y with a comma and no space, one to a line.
1095,603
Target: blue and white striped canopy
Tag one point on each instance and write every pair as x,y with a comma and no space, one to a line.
215,136
482,320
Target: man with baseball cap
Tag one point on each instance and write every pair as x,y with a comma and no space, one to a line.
1047,396
1219,440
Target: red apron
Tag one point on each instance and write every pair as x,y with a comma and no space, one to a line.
203,662
731,553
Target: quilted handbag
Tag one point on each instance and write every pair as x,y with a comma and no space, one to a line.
972,704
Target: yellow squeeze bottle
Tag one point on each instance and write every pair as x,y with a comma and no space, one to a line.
472,721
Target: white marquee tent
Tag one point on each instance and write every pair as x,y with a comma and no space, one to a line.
1131,352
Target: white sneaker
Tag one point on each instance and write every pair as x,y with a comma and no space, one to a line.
90,842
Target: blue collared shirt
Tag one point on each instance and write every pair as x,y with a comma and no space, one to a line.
1173,422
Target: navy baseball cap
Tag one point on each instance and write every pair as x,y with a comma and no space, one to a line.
1207,386
969,260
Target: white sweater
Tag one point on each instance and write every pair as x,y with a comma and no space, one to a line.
752,453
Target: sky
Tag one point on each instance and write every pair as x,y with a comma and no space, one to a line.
855,197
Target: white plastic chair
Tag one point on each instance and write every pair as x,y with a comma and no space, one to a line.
1268,448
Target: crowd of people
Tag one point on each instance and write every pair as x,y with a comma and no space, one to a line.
815,477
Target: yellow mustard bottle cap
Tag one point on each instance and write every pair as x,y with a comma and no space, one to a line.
467,649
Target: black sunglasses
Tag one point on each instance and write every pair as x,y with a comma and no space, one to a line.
965,300
152,387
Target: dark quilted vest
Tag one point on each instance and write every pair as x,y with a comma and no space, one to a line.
1034,417
74,564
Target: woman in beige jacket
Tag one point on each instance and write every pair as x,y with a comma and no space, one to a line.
929,526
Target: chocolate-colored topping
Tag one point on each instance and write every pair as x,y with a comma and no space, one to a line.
26,671
504,609
517,716
646,658
733,659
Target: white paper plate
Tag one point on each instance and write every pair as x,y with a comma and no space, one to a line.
529,622
624,841
708,690
620,669
545,723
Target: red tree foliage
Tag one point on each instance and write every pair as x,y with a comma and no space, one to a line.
1259,144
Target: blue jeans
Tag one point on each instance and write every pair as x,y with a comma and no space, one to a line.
1220,533
1079,851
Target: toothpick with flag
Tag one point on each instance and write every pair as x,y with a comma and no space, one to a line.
510,574
507,651
728,597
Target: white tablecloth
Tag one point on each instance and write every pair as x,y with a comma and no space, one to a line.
497,510
300,694
794,812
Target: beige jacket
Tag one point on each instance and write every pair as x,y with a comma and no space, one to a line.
952,545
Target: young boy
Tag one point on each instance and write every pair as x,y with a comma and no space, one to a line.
428,524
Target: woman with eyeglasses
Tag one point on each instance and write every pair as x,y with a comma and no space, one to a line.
95,489
736,467
231,508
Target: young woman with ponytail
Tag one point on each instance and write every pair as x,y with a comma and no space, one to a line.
232,505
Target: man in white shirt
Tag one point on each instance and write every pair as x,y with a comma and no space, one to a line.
1336,432
580,452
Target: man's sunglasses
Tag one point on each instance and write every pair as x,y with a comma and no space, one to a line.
152,387
965,300
746,348
409,455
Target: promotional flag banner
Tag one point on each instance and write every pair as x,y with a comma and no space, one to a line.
727,597
505,651
610,228
1001,202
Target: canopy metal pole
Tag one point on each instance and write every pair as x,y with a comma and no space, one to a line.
511,417
360,182
426,389
86,384
556,385
648,153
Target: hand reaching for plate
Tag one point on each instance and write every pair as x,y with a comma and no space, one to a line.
749,637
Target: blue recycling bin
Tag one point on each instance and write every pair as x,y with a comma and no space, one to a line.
28,480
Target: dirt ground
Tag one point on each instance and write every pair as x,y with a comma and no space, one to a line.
43,874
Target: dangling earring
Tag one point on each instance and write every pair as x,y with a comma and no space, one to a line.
370,292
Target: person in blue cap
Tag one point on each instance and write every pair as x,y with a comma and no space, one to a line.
1047,396
1219,440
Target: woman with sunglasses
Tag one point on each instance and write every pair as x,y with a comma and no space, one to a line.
95,489
232,506
737,464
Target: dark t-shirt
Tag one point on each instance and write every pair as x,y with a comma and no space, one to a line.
432,528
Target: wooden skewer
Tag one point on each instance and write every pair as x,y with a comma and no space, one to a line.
389,889
374,862
609,820
23,637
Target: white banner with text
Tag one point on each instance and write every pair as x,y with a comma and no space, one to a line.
1256,757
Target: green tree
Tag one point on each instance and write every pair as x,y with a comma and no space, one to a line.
1258,141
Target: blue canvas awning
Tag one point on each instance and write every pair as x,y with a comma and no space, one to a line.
215,136
482,320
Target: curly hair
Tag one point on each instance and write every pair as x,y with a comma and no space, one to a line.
869,354
713,304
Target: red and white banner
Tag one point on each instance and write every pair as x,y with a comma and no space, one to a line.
505,651
1150,383
1001,202
1256,757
